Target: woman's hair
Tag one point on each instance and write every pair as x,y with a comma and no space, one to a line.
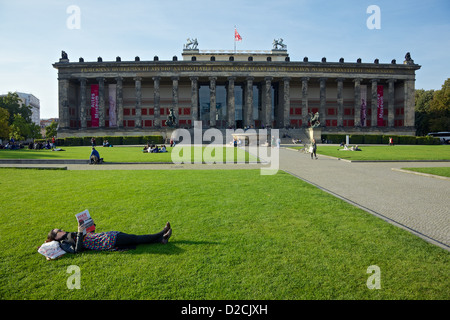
51,236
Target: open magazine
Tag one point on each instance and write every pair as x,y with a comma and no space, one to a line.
84,218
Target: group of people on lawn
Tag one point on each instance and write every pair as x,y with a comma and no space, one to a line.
154,149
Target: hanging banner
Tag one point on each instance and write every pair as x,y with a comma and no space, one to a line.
94,106
363,105
380,107
112,105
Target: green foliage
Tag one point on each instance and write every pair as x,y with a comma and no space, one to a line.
51,130
4,124
433,110
11,102
380,139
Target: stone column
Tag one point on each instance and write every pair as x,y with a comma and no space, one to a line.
286,103
101,102
194,99
138,118
391,102
156,102
63,97
305,101
267,111
175,98
119,101
357,102
340,102
231,107
212,101
248,113
323,100
374,104
409,104
83,106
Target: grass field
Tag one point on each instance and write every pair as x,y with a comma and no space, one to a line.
400,152
237,235
127,154
438,171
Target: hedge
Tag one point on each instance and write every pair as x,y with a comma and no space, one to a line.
113,140
380,139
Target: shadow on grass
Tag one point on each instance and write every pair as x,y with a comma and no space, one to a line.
171,248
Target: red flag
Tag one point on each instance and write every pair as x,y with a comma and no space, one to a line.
237,36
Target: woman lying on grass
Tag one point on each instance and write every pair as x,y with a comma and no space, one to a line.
74,242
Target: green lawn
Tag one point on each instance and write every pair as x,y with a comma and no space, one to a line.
126,154
237,235
438,171
399,152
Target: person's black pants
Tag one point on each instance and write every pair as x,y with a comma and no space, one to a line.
131,240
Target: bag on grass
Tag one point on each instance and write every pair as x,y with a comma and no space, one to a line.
51,250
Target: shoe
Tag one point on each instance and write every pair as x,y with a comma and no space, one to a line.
166,236
167,227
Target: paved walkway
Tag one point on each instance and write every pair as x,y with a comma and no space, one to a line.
419,204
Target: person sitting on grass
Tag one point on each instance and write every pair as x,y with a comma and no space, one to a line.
95,157
75,242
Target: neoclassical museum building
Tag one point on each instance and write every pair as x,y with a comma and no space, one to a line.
234,89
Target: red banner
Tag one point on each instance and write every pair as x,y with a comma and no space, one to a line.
94,106
380,108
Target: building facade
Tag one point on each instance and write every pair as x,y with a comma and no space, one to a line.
259,89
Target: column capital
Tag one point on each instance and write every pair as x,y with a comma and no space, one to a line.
250,78
340,79
137,78
305,79
268,78
231,79
156,78
357,80
193,78
100,79
212,78
374,80
391,81
82,80
119,79
175,78
286,78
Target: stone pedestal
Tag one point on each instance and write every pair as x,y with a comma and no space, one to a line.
314,133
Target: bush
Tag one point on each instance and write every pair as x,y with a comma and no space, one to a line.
152,139
357,139
129,140
114,140
406,140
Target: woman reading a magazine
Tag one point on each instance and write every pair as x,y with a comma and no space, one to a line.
73,242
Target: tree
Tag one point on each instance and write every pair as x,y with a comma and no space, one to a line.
440,108
11,102
423,99
51,130
433,110
20,129
4,125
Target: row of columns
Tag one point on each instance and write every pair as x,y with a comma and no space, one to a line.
283,115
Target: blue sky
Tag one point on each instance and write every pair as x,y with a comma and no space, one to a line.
33,33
